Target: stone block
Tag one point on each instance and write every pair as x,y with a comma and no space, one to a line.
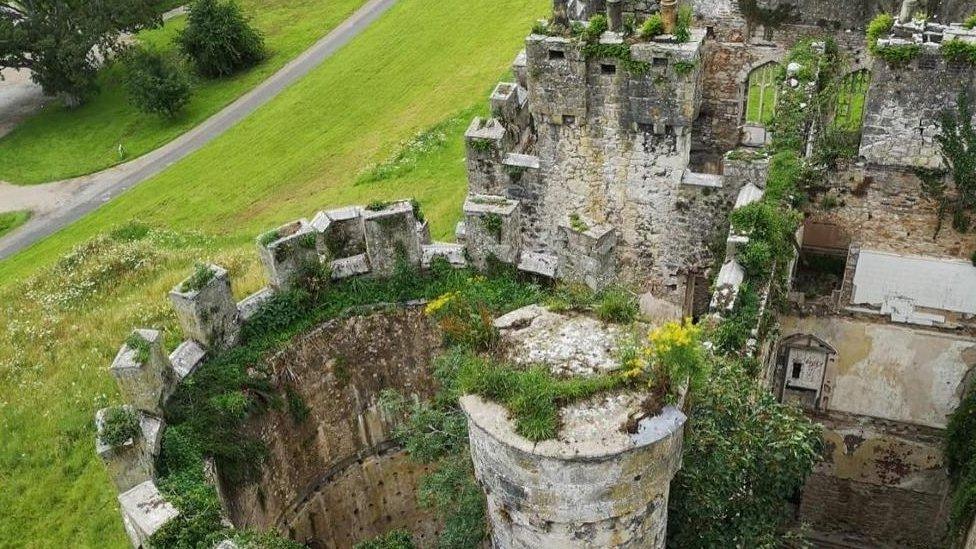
133,462
391,235
186,358
144,512
546,265
508,104
350,266
206,309
586,252
742,167
520,70
284,250
143,372
727,285
453,253
492,228
423,232
250,305
340,232
485,144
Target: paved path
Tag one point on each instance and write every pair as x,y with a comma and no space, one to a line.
57,204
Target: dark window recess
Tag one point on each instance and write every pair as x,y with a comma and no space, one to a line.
795,373
557,54
645,128
608,69
710,32
660,62
569,120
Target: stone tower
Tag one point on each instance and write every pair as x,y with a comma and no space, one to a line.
592,141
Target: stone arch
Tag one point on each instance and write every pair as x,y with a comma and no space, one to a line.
761,93
753,133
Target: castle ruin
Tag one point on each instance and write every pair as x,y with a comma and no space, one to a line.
617,159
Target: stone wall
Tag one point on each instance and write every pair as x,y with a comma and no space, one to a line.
885,209
336,478
903,108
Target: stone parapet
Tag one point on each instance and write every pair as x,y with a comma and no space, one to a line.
144,512
143,372
340,232
492,229
208,313
132,462
391,236
486,143
285,250
586,252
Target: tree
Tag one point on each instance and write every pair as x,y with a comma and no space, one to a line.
156,85
745,457
219,40
62,42
958,141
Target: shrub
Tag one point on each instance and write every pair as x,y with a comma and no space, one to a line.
959,51
616,305
396,539
756,257
201,276
674,355
570,297
218,38
654,26
970,22
682,31
138,344
156,84
120,425
878,27
598,25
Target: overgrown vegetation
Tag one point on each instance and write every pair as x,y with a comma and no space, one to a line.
590,34
140,346
745,456
207,413
894,54
959,51
120,425
219,40
202,275
396,539
957,141
682,29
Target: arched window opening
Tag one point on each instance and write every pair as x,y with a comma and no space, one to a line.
762,92
851,94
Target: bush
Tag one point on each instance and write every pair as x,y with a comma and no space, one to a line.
682,31
219,40
616,305
120,425
156,84
654,26
397,539
970,22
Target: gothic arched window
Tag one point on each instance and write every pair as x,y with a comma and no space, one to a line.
853,90
761,94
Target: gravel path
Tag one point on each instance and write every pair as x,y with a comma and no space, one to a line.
60,203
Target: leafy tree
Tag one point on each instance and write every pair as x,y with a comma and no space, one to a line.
958,141
745,457
62,42
156,85
219,40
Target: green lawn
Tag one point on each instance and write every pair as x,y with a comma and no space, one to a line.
425,63
11,220
59,143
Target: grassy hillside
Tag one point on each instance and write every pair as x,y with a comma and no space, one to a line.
59,143
427,63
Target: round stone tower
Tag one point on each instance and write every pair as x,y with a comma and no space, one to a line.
604,482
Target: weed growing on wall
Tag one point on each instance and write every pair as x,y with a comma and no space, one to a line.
121,425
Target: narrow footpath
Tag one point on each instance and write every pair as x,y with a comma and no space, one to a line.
60,203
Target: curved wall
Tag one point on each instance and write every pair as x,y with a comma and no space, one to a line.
337,478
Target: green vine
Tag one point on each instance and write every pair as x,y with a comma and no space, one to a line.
899,54
682,68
